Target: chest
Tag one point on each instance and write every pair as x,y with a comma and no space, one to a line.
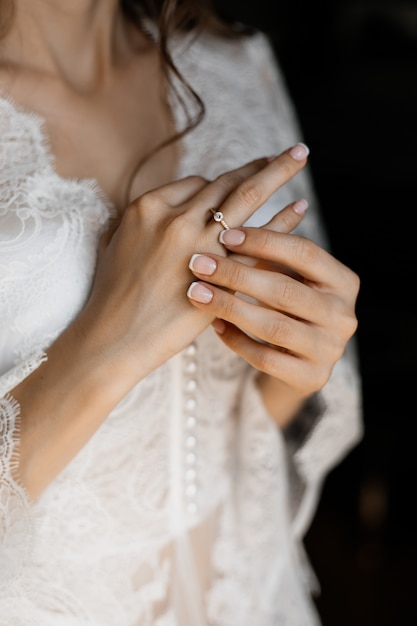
116,144
112,134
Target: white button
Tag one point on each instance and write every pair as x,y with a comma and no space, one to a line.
191,385
191,350
190,475
190,442
190,404
190,458
192,508
191,367
191,421
190,491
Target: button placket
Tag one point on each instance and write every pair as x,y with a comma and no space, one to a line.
190,443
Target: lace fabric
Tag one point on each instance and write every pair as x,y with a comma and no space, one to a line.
182,509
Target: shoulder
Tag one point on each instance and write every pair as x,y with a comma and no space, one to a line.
241,60
248,112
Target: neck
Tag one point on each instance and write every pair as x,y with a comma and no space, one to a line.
78,40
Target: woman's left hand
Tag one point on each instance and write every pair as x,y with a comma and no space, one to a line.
300,313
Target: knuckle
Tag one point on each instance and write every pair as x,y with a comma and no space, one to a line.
287,168
306,250
236,275
249,193
228,181
354,282
266,361
180,232
266,239
149,201
345,322
227,304
194,178
287,292
278,331
319,378
350,325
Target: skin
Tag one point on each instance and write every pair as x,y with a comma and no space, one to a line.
138,314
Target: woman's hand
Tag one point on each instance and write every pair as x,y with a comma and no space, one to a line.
138,313
301,308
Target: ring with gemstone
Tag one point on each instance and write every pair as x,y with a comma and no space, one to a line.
218,217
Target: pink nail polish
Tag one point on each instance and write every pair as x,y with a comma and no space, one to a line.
299,152
300,207
200,293
232,237
202,264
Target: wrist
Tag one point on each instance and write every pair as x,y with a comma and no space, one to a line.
281,401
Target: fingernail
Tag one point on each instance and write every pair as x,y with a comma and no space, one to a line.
299,152
202,264
219,326
300,207
199,293
232,237
271,158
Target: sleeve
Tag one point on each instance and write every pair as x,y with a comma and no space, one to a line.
17,522
330,424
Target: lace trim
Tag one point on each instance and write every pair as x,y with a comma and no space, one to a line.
16,525
35,123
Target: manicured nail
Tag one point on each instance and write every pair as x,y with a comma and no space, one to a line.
299,152
232,237
202,264
300,206
219,326
200,293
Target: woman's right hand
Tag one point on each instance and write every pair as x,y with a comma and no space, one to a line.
138,311
138,314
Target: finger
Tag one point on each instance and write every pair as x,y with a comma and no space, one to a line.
268,325
217,190
273,289
284,221
189,191
288,218
299,253
179,191
280,364
242,200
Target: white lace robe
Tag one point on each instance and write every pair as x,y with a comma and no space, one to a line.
188,506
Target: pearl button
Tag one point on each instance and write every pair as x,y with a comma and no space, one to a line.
192,508
190,475
191,385
190,404
190,491
190,458
191,350
191,421
190,442
191,367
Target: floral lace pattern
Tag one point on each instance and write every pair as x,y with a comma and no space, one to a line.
180,510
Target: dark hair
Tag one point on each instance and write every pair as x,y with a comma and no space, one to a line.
169,17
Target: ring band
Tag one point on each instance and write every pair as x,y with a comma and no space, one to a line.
218,217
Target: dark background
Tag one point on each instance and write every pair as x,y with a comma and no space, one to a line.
351,66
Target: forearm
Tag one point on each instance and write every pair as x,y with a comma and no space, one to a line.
64,401
281,401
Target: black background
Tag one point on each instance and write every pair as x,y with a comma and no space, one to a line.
351,66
